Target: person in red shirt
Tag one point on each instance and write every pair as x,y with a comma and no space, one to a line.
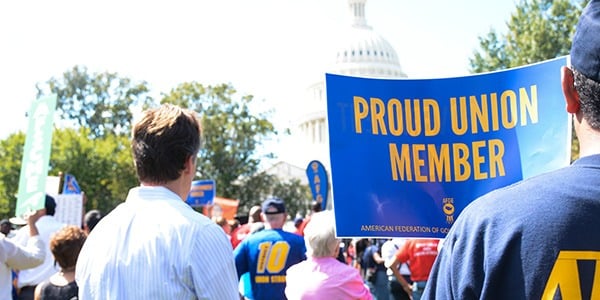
315,208
420,254
254,222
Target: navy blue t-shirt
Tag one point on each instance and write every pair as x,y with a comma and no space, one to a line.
539,238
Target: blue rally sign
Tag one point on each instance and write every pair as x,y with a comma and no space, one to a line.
70,185
407,156
318,182
202,193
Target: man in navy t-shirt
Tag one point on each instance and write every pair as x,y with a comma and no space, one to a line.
539,238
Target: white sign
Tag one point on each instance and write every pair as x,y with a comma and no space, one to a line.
69,209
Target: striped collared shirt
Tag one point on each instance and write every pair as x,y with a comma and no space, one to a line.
155,246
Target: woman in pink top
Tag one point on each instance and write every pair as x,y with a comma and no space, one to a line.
322,276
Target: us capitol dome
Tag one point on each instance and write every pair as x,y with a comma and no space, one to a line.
361,52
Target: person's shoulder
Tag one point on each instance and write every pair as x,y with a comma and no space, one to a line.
511,196
258,235
5,246
184,215
299,268
244,228
511,202
54,223
202,225
291,236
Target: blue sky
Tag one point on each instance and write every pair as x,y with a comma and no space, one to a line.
272,49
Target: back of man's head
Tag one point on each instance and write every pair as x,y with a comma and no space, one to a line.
5,226
254,214
92,218
316,206
50,205
163,140
273,210
585,49
585,63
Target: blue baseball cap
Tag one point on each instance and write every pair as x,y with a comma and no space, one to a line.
273,205
585,50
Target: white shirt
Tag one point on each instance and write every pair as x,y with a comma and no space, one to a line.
13,256
155,246
388,251
47,226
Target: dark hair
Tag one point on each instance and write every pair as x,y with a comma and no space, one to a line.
316,206
66,244
92,218
589,98
50,205
163,140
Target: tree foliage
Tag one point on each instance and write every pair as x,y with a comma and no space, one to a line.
103,167
11,154
538,30
101,102
296,196
253,190
231,134
92,142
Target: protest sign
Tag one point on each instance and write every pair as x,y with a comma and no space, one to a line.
318,182
408,155
201,193
36,156
69,209
70,185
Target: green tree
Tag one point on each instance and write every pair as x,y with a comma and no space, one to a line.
297,196
101,102
232,135
253,190
11,154
103,166
538,30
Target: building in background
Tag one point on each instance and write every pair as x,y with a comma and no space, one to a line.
359,51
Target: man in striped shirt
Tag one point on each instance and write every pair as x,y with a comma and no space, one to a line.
155,246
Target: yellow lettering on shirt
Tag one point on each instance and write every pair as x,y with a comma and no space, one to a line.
564,277
261,279
278,279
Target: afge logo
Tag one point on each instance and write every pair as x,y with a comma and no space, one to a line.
448,207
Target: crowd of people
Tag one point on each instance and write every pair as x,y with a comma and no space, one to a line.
273,262
534,239
40,257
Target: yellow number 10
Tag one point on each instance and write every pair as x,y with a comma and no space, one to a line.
272,257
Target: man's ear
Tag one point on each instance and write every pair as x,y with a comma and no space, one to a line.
569,91
190,165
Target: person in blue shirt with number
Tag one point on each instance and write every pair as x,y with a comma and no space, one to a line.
267,254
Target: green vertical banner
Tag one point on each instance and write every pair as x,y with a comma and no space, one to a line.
36,155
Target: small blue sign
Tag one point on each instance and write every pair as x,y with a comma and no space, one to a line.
318,182
202,193
71,186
